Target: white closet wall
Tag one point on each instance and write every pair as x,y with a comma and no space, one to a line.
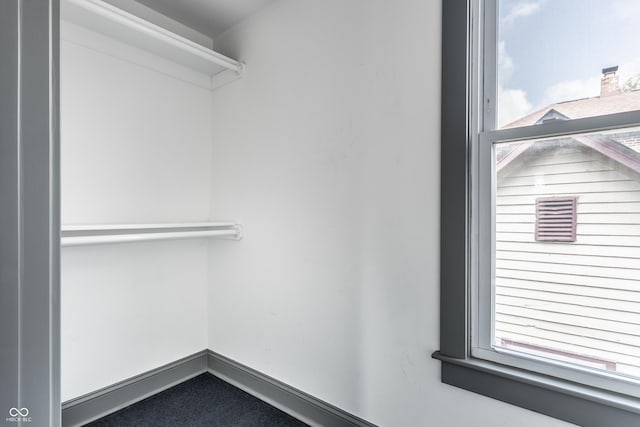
328,151
136,148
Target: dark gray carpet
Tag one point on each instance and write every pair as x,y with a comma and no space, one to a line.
202,401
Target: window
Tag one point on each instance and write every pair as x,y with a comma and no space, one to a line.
543,284
546,314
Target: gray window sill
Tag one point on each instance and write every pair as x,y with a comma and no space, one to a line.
565,400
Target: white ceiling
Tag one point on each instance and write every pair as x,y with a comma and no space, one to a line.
210,17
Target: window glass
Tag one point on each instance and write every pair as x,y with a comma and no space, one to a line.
566,235
566,59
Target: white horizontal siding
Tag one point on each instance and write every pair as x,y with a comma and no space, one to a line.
581,297
599,240
537,297
570,259
622,366
587,310
569,248
561,178
567,319
580,339
589,196
576,344
572,188
563,288
581,270
598,282
615,229
575,156
583,208
577,330
561,168
585,218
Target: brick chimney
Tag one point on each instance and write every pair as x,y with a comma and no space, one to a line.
609,82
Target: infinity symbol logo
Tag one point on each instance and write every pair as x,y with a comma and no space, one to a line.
14,412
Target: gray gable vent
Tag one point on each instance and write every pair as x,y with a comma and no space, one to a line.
556,219
551,116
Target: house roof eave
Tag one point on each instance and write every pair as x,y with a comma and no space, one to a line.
602,144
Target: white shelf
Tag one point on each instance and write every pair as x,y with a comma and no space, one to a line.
116,23
99,234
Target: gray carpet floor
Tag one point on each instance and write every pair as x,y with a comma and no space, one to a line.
202,401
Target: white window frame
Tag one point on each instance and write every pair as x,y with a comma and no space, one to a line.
469,361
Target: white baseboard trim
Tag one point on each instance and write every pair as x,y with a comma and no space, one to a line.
313,411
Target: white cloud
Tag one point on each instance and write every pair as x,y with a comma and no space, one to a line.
585,88
629,68
505,63
626,10
572,89
512,104
521,10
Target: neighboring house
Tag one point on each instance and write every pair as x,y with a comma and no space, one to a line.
568,239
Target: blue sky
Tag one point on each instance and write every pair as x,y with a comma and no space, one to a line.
554,50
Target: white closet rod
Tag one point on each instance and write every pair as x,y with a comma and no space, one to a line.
141,237
97,228
119,16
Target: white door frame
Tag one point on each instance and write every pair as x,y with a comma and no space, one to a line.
29,213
